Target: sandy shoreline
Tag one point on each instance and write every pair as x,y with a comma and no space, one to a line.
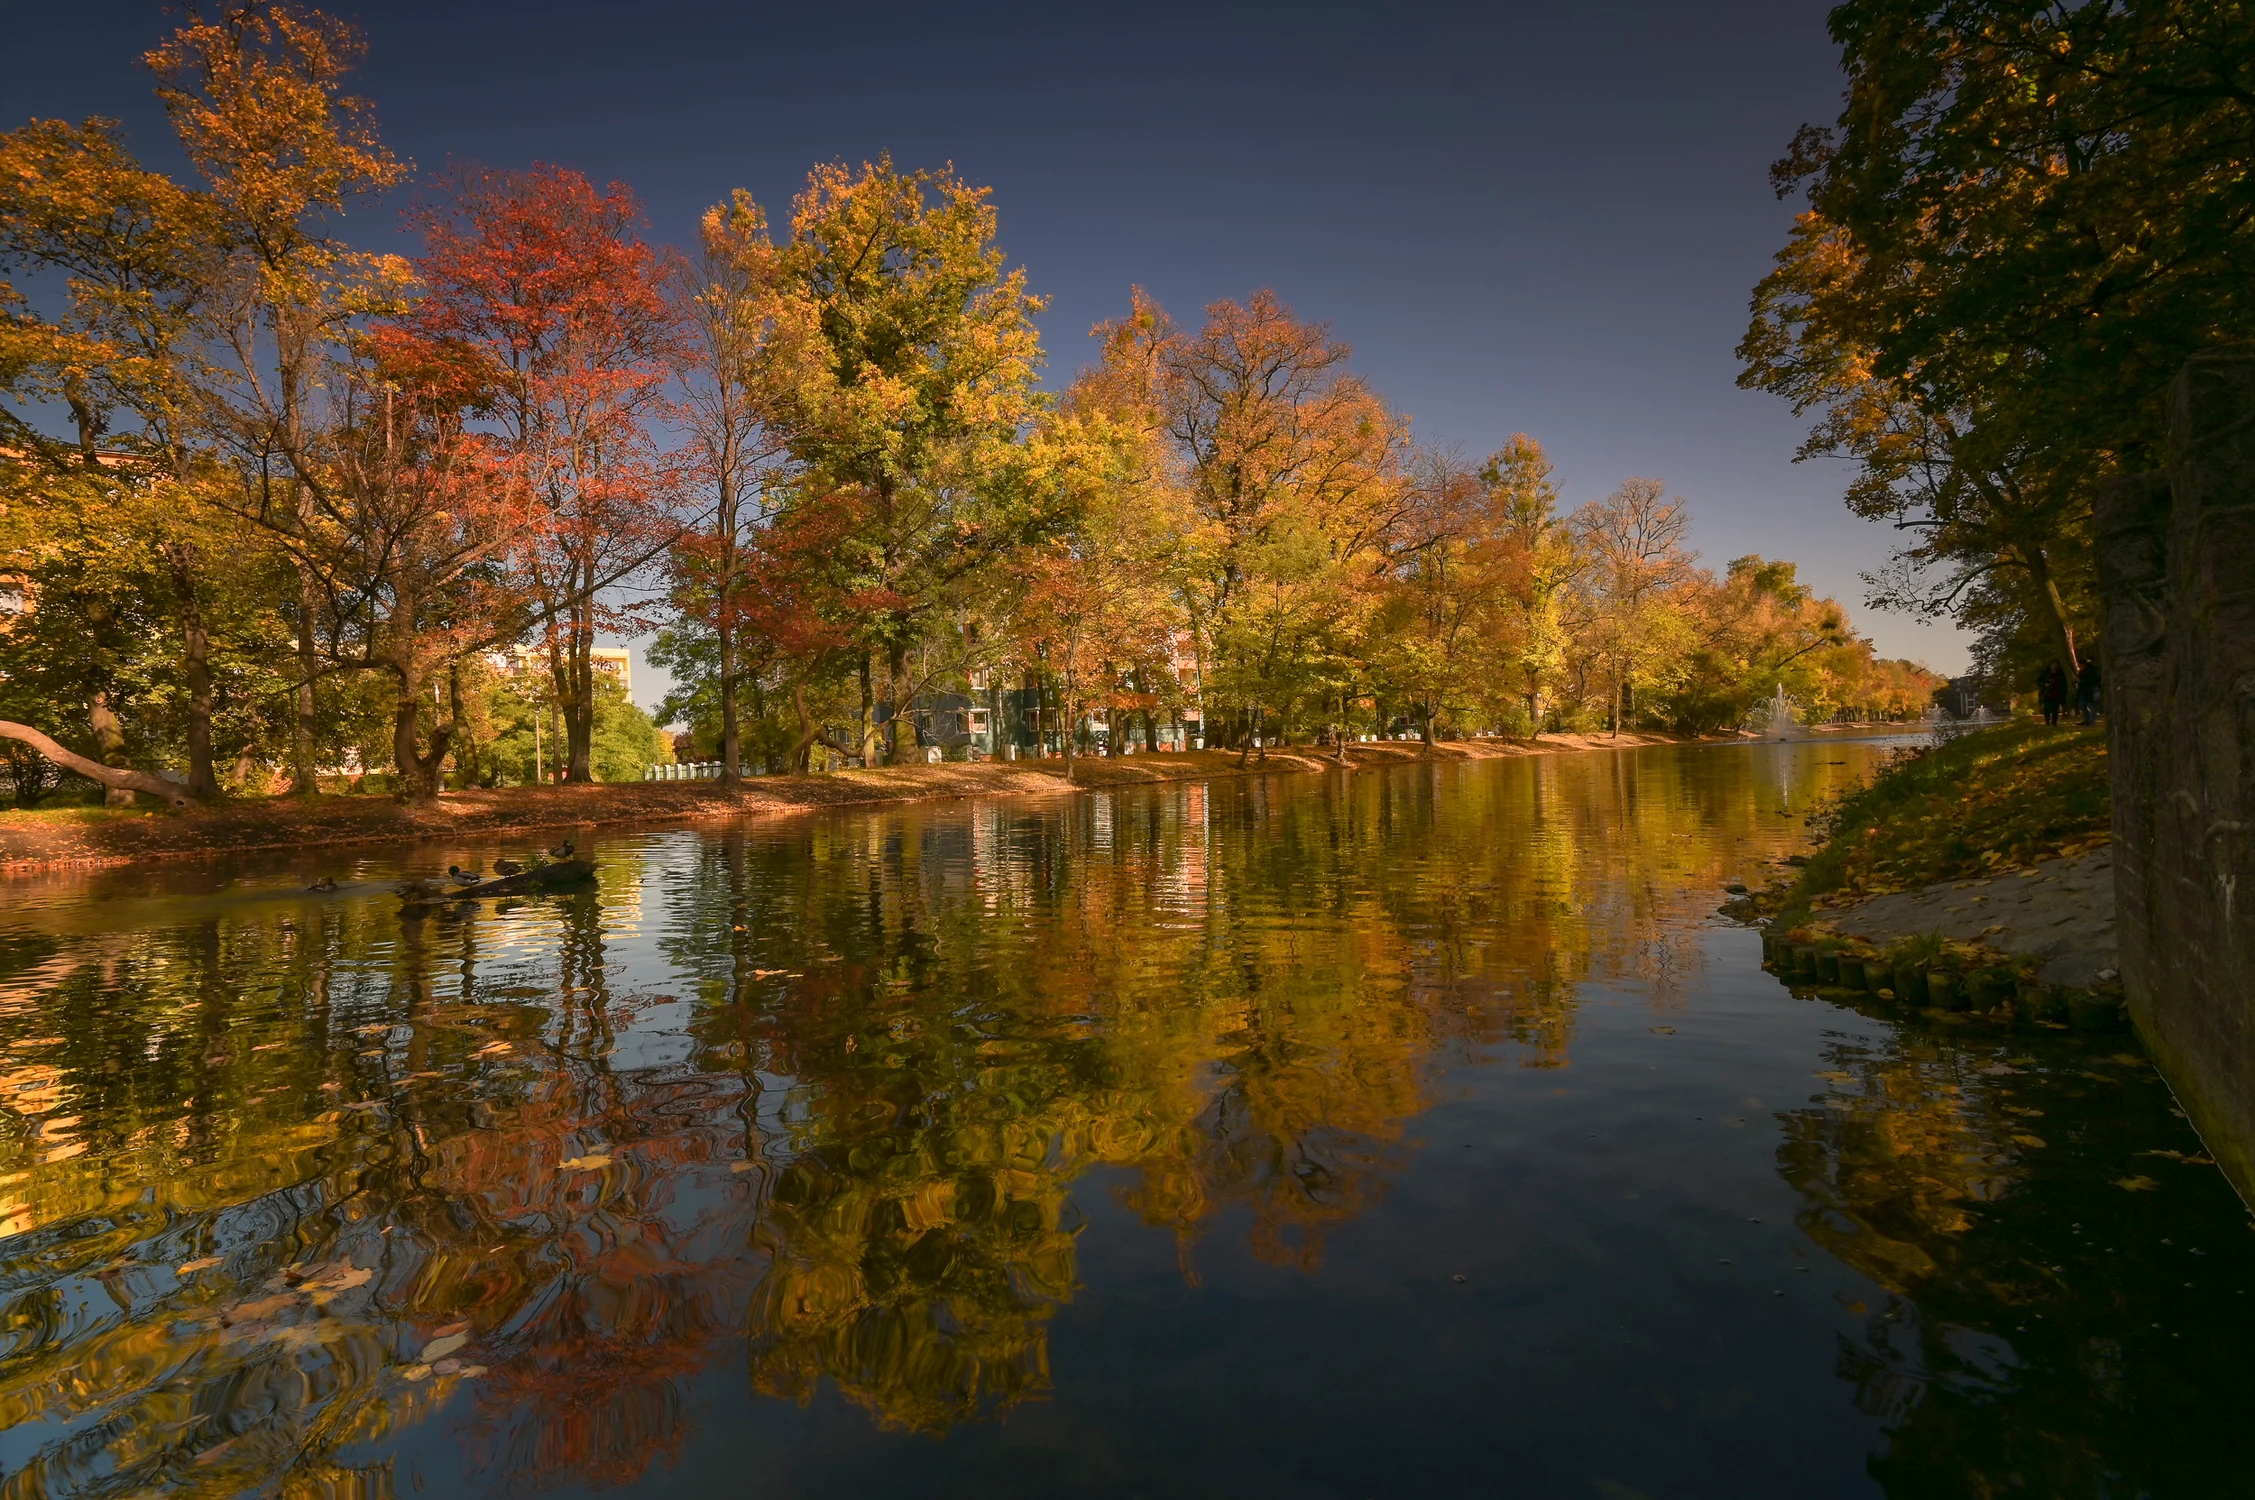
94,837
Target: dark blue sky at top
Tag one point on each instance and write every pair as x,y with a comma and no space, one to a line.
1540,218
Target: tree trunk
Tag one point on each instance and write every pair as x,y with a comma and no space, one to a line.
731,740
802,750
418,770
305,776
902,736
724,627
116,778
868,725
203,780
109,748
466,744
579,726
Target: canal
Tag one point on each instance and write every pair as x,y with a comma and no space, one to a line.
1415,1132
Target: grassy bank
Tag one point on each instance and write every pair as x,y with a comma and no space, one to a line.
101,836
1996,800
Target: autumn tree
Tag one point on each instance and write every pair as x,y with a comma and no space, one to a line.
719,307
1294,471
546,284
256,97
1545,565
2026,219
898,374
1638,567
1097,609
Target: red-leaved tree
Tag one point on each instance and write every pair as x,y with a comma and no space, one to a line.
547,282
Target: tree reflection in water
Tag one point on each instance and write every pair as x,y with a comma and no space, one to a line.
286,1178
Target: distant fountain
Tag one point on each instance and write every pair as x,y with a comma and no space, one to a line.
1781,725
1947,726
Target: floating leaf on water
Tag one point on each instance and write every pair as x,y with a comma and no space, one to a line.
582,1163
244,1312
2139,1184
470,1372
438,1349
2129,1060
2030,1140
448,1330
1665,1030
416,1372
337,1278
192,1267
742,1166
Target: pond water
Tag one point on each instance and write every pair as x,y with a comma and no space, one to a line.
1415,1132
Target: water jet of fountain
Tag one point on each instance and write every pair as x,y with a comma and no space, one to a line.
1781,725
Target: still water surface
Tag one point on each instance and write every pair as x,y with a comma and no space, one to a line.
1416,1132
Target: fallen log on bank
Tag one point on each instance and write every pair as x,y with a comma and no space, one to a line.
94,770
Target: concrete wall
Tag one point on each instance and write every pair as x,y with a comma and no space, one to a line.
2176,556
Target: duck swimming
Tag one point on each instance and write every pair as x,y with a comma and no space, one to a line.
324,885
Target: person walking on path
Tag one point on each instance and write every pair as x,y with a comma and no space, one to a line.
2051,692
2086,690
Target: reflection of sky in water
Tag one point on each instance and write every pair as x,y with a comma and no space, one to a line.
1137,1141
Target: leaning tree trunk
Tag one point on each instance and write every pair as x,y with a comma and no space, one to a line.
2055,612
117,778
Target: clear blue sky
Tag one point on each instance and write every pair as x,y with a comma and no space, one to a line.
1540,218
